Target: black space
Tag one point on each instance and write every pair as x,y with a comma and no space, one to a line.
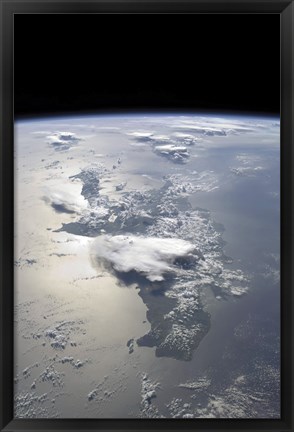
85,63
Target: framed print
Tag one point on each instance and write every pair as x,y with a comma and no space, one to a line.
146,252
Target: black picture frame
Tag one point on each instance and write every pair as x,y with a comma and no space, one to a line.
8,9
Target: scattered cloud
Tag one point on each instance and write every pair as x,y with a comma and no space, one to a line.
246,171
250,165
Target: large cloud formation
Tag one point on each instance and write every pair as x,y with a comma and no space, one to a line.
152,256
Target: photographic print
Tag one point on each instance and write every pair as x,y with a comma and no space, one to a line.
147,216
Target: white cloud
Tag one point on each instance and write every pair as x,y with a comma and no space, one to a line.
250,165
247,171
247,159
165,145
187,139
40,133
171,148
211,126
150,256
63,140
205,130
64,202
141,135
160,138
148,136
175,153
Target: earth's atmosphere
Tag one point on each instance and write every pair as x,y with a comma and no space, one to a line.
147,267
